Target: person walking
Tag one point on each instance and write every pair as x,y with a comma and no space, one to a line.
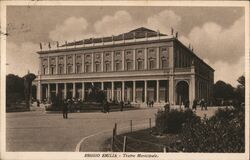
186,105
194,104
167,107
107,106
202,102
65,110
122,105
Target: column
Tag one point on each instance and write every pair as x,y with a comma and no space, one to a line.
134,60
92,62
74,90
157,57
145,59
112,91
65,90
65,64
112,61
123,60
83,91
171,90
145,91
157,91
48,65
83,63
134,88
56,89
123,90
48,92
102,54
74,63
102,86
56,64
39,91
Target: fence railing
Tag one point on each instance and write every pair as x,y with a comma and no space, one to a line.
125,143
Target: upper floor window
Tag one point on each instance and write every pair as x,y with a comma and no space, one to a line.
78,68
69,69
117,66
107,66
129,65
60,69
44,70
152,63
87,67
139,65
97,67
164,63
52,69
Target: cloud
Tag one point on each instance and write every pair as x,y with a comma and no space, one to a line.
213,42
163,21
73,28
118,23
122,21
21,58
228,72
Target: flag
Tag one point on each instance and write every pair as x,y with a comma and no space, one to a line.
49,45
57,44
41,47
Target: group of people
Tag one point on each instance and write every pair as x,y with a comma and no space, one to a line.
150,104
202,103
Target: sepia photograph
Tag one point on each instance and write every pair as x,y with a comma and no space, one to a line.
134,80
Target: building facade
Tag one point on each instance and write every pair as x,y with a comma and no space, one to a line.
138,66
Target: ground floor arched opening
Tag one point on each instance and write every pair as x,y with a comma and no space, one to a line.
182,92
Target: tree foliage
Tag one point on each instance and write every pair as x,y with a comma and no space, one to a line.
14,88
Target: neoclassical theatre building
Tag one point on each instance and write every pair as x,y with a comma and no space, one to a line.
139,66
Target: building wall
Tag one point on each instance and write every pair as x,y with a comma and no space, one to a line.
161,61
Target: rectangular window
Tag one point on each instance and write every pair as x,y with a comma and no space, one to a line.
44,70
107,67
78,68
69,69
117,66
129,65
60,69
139,65
163,63
52,69
151,64
87,68
97,67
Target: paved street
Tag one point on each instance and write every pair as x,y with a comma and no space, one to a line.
38,131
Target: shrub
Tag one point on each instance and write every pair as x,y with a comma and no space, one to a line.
224,132
171,122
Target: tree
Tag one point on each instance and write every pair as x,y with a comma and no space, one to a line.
28,78
240,90
14,89
223,91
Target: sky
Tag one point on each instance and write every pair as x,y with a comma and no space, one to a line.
216,33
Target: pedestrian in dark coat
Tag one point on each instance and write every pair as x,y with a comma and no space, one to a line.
122,105
202,103
194,104
65,110
186,104
107,106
